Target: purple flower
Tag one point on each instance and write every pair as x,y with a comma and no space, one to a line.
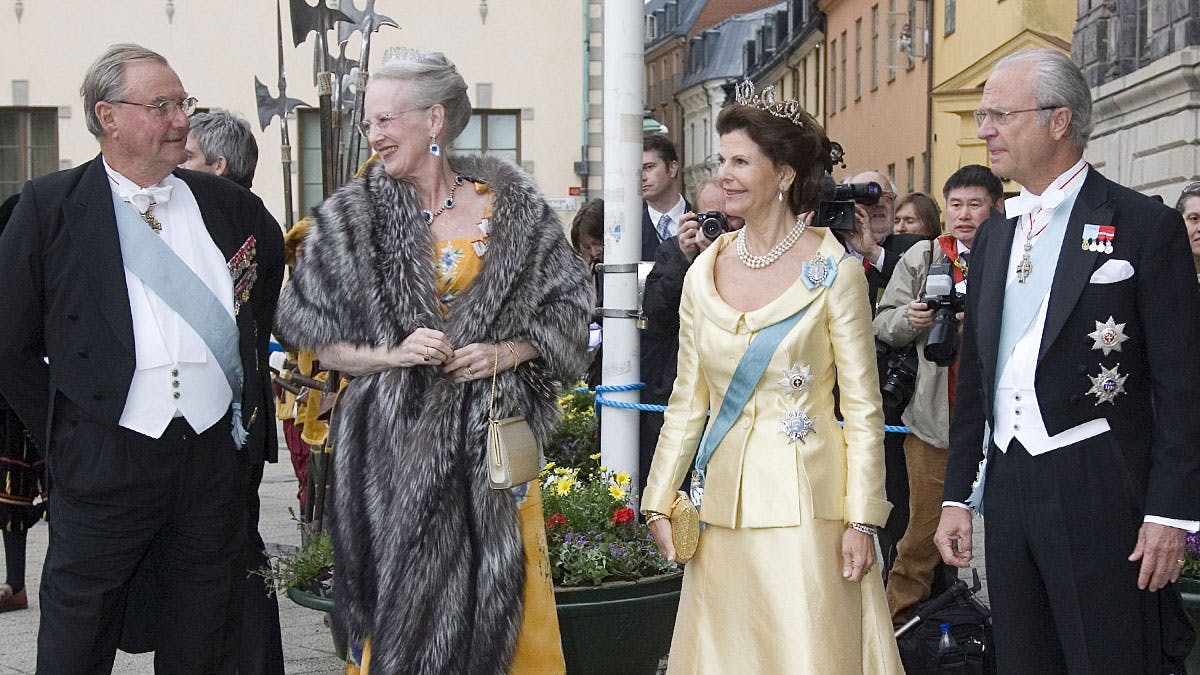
617,551
1193,545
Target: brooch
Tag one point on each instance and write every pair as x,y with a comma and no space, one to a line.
1108,384
796,379
818,272
1108,336
797,425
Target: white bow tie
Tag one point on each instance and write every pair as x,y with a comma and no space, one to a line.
1027,202
144,198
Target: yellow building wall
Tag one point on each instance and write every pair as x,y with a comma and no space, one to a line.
985,31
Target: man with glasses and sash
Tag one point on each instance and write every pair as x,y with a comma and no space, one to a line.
139,302
1077,380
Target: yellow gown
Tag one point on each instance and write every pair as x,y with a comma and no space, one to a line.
539,649
764,592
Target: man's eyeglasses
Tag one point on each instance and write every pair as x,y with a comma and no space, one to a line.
364,127
167,108
1001,117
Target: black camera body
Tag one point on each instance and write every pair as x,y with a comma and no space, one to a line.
713,224
836,210
897,375
941,347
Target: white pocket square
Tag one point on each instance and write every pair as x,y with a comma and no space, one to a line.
1112,271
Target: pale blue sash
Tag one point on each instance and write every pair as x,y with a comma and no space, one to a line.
146,255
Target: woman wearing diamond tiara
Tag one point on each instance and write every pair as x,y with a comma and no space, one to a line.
426,278
783,580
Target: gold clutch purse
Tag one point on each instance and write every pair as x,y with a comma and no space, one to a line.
685,527
513,454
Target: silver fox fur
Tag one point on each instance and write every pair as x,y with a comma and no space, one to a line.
429,558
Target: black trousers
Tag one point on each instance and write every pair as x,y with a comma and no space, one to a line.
1060,529
118,497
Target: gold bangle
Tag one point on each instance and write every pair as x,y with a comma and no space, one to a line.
512,347
651,517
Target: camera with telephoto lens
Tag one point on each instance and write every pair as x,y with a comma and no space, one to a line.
941,347
897,375
836,210
713,224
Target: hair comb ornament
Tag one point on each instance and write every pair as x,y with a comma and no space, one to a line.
789,109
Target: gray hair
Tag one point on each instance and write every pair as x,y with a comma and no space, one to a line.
220,133
1058,83
436,82
105,79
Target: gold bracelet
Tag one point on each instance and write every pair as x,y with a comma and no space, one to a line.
512,347
653,516
869,530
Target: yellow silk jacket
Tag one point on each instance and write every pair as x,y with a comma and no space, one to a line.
757,475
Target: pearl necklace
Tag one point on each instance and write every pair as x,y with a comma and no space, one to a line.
757,262
448,204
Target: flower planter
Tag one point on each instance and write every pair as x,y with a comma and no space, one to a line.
1190,590
321,603
619,627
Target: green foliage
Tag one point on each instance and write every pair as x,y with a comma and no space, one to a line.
592,533
575,438
309,568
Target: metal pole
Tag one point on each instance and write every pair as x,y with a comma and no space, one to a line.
623,84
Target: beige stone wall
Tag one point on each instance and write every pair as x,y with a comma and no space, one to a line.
531,53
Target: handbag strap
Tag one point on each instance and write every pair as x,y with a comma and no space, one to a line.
492,397
745,379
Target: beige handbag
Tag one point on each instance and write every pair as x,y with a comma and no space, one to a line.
513,454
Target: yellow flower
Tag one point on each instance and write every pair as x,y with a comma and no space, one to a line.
603,468
562,471
622,478
548,467
595,457
564,487
616,492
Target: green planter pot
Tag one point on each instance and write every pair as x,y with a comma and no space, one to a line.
620,627
321,603
1190,590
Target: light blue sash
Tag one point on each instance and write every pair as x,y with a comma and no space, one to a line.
1023,300
146,255
741,387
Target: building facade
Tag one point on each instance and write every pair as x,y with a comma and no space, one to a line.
546,122
1142,60
877,67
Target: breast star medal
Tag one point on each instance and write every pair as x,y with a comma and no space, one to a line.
797,425
1108,336
815,270
797,379
1108,384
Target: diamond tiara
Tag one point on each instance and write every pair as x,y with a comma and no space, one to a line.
789,109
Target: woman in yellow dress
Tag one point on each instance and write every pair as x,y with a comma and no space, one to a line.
424,279
783,580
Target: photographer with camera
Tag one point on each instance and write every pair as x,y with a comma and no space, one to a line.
922,307
660,303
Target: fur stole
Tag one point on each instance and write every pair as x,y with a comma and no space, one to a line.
429,558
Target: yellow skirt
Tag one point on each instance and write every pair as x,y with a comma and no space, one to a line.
539,647
773,601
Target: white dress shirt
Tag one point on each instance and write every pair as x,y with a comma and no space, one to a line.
676,214
176,374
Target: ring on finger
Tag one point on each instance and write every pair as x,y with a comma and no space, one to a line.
470,371
427,354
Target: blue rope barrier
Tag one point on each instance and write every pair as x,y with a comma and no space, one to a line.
647,407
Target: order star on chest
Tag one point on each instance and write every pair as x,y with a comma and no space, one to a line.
797,379
797,425
1108,336
1108,384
